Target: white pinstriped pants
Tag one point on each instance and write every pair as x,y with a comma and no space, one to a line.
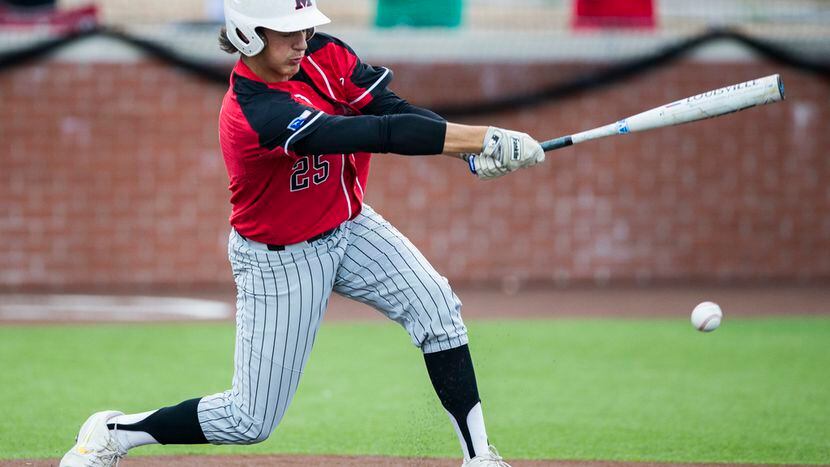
281,299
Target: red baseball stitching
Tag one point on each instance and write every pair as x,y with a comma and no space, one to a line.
705,322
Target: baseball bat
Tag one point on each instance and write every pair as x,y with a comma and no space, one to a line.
709,104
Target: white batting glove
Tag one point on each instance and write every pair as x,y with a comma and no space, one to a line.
486,167
505,151
513,149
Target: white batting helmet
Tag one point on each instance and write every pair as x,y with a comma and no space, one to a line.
246,16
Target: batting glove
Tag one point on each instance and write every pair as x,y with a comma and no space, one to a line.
505,151
513,149
486,167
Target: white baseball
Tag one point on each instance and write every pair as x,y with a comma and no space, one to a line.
706,317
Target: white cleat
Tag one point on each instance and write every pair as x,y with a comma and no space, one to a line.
491,459
95,447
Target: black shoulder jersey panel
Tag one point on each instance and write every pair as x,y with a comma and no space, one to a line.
273,114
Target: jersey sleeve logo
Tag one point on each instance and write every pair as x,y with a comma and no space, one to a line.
298,122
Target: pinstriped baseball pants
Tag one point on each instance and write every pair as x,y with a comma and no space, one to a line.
281,300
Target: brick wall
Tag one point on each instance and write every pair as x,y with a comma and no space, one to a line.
110,176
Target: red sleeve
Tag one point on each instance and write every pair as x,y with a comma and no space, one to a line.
359,82
365,83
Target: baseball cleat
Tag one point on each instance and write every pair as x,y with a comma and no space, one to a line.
96,446
490,459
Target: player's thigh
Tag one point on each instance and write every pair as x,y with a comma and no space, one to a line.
281,299
382,268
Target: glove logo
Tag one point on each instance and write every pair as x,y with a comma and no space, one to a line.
492,144
302,4
517,149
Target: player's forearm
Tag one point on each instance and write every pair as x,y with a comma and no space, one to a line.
459,138
412,135
400,134
463,139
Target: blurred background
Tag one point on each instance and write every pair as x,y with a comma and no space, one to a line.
111,176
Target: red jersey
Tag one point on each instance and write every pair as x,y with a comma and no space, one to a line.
280,196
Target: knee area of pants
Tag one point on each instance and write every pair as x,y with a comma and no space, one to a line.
441,293
256,434
440,308
262,437
250,430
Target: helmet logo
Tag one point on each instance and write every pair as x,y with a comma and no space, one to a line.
302,4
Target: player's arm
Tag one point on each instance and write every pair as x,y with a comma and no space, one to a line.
460,139
389,103
282,122
406,134
498,151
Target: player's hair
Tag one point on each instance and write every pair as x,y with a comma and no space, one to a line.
224,43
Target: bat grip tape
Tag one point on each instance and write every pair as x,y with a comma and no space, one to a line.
557,143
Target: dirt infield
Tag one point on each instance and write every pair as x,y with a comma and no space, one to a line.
506,302
314,461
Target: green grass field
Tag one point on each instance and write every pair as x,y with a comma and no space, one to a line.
757,390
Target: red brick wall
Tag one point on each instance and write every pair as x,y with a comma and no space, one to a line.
111,176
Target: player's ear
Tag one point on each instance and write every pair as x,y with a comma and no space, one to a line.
309,33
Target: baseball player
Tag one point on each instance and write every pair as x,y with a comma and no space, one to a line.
297,126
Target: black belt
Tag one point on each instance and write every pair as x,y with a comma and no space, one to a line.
312,239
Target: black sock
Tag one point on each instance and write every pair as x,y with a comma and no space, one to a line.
452,375
171,425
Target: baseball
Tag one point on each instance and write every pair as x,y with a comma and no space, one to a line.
706,317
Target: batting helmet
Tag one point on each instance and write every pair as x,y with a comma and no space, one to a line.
245,16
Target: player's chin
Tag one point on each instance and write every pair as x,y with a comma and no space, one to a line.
291,69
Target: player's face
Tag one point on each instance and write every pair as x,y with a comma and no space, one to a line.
284,52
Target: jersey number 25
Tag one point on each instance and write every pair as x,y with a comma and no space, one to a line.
308,169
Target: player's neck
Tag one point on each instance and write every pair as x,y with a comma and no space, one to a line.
263,71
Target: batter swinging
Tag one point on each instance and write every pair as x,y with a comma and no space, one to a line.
297,127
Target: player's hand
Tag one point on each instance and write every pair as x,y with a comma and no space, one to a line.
486,167
505,151
513,149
